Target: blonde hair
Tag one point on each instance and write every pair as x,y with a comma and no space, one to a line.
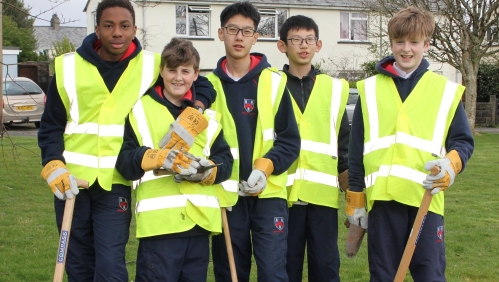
411,23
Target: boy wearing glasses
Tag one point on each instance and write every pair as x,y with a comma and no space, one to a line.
259,125
319,104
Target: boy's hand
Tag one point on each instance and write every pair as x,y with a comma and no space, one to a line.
206,177
256,183
449,167
184,130
172,160
60,180
355,208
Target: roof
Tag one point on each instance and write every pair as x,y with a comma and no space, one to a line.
46,35
303,3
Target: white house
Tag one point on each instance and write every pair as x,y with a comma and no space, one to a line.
9,61
340,28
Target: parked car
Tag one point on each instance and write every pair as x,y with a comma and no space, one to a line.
353,97
23,101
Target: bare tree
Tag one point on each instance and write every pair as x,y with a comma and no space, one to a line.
466,33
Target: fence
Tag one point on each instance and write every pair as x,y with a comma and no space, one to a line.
487,112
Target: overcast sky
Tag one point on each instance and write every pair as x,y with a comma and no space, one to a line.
70,10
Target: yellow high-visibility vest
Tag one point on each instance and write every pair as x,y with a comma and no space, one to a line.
314,178
164,206
95,117
400,137
271,86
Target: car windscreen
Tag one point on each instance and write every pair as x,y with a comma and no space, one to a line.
20,88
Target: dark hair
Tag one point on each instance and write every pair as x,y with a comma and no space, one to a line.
114,3
297,22
179,52
244,8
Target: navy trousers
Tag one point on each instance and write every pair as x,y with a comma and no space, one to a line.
315,227
258,226
99,234
389,226
183,259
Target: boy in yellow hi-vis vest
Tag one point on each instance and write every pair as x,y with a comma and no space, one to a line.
319,102
259,125
407,120
81,133
177,211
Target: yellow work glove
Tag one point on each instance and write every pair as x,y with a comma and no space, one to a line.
206,178
257,181
343,181
60,180
356,208
173,160
184,130
449,167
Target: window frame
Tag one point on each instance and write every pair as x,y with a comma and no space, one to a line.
494,40
350,31
190,11
278,21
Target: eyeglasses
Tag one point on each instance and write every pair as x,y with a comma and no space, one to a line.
299,41
232,30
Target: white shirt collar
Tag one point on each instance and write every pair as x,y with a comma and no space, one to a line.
401,72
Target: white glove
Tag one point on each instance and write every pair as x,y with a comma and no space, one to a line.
257,181
205,178
184,130
359,217
183,163
449,167
60,180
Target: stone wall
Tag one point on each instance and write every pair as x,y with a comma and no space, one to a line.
486,112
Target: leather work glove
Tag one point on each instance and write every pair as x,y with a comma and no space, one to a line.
173,160
184,130
205,177
449,167
343,181
356,208
60,180
257,181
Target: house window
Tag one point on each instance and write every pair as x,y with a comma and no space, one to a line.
492,35
353,26
192,20
270,23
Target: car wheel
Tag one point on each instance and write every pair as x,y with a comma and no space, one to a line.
37,124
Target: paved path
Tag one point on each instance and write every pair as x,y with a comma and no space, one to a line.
27,129
494,130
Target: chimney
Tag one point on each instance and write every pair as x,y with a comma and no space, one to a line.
55,23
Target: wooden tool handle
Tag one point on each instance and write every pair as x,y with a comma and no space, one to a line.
62,248
415,231
228,244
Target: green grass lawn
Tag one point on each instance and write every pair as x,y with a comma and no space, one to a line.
28,233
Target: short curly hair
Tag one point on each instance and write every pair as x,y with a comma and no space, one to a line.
114,3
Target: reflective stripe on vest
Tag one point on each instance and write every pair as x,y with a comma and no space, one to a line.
315,179
394,156
161,198
272,81
95,124
431,146
175,201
